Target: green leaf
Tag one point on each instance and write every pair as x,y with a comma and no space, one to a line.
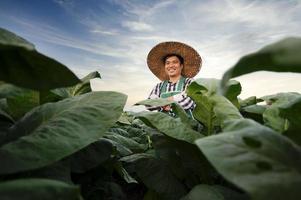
257,159
127,142
59,171
155,102
6,120
35,189
254,112
282,56
156,175
85,85
170,126
91,156
124,119
55,130
176,108
184,159
209,102
291,112
271,115
224,109
123,173
62,93
22,65
203,111
213,192
9,38
248,101
121,149
234,89
19,100
152,195
211,86
4,115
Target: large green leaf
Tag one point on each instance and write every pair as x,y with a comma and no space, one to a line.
55,130
254,112
291,112
176,108
213,192
6,120
91,156
264,163
59,171
36,189
127,142
65,92
209,102
85,85
156,175
173,127
203,111
5,116
282,56
212,86
123,173
19,100
271,115
224,109
22,65
234,89
248,101
186,162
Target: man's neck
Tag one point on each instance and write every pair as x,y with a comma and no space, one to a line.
174,79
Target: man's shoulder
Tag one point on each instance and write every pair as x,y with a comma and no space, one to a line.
188,80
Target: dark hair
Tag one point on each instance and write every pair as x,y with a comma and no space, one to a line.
173,54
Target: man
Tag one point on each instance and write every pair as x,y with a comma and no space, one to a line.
175,64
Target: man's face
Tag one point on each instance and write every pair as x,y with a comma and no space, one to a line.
173,66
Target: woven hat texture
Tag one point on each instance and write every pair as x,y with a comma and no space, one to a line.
192,60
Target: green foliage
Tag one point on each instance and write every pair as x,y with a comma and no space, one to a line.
210,105
19,100
271,115
156,175
35,189
167,125
55,130
282,56
213,192
257,159
176,108
91,156
62,93
291,112
57,133
22,65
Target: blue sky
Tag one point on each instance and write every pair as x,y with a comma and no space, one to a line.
114,37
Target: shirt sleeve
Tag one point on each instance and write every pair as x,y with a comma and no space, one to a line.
155,94
183,100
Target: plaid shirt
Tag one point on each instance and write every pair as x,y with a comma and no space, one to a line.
182,99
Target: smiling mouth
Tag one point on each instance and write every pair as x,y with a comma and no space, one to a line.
171,70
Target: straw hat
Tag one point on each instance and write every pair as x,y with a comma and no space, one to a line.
192,60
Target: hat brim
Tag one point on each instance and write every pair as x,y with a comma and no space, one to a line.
192,60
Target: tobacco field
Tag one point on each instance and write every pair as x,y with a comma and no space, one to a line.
61,140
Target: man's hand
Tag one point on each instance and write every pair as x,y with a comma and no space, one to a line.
170,98
166,108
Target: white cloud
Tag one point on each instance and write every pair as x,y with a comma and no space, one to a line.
103,32
56,36
137,26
